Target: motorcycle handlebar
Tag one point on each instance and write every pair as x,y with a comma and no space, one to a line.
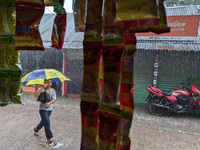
186,84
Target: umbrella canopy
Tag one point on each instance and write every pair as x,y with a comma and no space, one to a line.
38,76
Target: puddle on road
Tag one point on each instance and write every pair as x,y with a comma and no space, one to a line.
59,144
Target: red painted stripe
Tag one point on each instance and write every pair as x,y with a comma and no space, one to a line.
65,72
73,95
28,89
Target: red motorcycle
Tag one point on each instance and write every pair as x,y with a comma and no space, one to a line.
179,100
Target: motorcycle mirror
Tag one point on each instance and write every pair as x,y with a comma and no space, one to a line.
188,78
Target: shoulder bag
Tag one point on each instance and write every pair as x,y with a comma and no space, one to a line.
43,98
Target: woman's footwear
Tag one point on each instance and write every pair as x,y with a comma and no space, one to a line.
50,143
36,132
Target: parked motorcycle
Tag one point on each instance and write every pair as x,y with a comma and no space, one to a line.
179,100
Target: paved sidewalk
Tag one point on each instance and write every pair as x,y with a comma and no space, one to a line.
148,132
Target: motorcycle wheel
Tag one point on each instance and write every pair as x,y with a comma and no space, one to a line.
155,110
196,111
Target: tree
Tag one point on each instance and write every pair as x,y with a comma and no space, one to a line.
170,3
196,2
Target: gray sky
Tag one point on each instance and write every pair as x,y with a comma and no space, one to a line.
68,5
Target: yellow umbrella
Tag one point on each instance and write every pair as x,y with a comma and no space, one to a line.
38,76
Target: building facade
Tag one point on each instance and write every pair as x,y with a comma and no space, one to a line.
177,52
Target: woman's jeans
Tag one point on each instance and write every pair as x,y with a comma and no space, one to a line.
45,122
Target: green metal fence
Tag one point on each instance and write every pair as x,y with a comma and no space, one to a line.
174,67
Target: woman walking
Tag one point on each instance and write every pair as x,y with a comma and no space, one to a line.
45,111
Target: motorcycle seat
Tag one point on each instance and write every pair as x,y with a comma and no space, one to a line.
167,93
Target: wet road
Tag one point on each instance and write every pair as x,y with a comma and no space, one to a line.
148,132
175,132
